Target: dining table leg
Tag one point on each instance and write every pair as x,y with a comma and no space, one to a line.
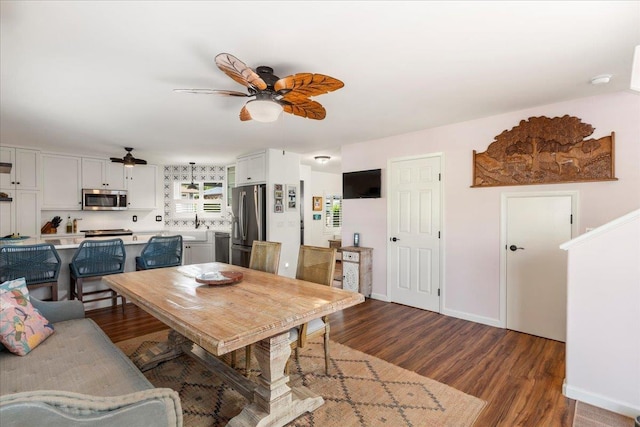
274,402
161,352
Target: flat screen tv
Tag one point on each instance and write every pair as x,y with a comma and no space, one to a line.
361,184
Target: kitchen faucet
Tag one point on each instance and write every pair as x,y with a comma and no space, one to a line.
197,223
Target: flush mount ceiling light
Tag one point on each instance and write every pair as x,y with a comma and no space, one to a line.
322,159
601,80
263,110
192,186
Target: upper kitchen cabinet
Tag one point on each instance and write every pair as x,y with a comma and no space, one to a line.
251,169
22,214
25,170
141,184
61,182
103,174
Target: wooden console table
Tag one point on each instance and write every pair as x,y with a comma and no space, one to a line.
356,269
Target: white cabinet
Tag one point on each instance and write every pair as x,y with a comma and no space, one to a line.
21,215
101,173
25,170
197,247
251,169
140,182
7,216
61,182
356,269
197,253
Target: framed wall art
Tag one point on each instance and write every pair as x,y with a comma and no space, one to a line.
292,197
278,198
317,203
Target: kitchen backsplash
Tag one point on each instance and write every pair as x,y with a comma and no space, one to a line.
173,173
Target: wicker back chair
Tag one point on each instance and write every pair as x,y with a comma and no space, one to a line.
315,264
265,256
38,264
93,259
160,251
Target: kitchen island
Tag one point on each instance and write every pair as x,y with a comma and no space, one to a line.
66,245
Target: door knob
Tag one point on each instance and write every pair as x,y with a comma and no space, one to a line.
514,248
394,239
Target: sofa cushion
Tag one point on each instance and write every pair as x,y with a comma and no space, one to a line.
22,328
79,357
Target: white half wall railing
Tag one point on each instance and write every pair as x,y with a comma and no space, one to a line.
603,316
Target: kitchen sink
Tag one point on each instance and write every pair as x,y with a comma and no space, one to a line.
193,235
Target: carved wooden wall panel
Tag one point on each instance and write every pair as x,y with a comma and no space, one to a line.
543,150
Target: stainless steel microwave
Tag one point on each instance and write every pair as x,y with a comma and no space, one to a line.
104,200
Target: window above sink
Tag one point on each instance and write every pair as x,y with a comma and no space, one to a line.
198,197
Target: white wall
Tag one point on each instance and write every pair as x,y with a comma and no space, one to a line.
319,184
471,218
603,317
283,168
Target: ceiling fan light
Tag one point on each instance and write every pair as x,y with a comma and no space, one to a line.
263,110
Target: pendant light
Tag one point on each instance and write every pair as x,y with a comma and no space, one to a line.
192,186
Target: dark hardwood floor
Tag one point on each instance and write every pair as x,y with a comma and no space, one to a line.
519,375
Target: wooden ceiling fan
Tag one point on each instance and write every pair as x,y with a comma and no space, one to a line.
273,94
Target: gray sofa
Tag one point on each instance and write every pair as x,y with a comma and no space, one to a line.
77,377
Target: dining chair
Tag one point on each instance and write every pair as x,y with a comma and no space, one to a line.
315,264
94,259
160,251
265,256
38,264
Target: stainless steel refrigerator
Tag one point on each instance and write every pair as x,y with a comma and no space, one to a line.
249,221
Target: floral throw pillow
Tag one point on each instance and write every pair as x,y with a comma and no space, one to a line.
22,327
19,284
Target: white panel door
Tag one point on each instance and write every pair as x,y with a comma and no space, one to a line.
414,233
536,268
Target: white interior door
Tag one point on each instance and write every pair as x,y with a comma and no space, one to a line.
413,248
536,268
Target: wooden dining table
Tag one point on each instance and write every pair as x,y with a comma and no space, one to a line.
209,320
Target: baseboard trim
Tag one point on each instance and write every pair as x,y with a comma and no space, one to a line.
380,297
472,317
600,401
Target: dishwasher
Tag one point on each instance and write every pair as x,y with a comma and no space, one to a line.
221,242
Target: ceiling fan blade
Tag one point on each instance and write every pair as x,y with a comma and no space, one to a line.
239,71
308,84
304,107
139,162
244,114
212,92
117,160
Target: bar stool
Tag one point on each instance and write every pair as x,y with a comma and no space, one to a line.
94,259
38,264
160,251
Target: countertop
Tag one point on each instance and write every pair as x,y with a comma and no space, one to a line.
73,241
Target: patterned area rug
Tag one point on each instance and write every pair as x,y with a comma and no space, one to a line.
591,416
362,390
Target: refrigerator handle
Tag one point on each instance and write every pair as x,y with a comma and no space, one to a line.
241,215
257,199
